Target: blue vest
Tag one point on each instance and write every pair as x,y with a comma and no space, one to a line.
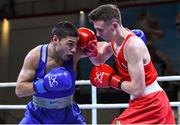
41,72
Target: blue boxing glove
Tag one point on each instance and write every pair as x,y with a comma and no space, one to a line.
57,79
140,34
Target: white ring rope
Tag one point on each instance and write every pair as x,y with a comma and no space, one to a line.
87,82
87,106
168,78
13,84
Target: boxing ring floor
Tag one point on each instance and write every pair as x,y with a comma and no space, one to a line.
94,106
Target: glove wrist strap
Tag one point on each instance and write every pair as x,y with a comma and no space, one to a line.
39,87
116,82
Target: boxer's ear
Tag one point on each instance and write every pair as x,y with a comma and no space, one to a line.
115,25
55,38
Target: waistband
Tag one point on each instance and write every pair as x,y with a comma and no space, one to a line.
57,103
154,87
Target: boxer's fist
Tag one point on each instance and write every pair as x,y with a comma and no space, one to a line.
87,41
101,75
140,34
104,76
57,79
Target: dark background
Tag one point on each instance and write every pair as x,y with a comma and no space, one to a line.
30,25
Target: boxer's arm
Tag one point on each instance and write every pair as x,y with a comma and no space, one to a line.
24,84
87,46
105,49
134,53
104,53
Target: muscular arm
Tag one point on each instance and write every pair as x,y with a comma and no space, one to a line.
134,54
24,85
104,53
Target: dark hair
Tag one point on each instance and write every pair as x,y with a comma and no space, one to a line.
106,12
63,29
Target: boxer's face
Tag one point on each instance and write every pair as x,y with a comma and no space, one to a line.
66,47
104,30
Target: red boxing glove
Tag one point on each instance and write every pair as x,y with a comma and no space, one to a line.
87,41
104,76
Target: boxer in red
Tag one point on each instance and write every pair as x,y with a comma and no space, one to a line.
148,103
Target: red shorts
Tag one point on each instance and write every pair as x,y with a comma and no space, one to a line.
153,108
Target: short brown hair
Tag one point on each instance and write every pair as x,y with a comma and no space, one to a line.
63,29
107,12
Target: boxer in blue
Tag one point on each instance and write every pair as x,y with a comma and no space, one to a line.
48,74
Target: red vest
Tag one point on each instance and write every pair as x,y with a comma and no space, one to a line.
150,71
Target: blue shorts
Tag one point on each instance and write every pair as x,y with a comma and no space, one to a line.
39,115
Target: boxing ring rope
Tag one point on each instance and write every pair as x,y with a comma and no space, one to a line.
94,106
87,82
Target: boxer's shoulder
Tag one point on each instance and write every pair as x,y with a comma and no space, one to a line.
33,56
